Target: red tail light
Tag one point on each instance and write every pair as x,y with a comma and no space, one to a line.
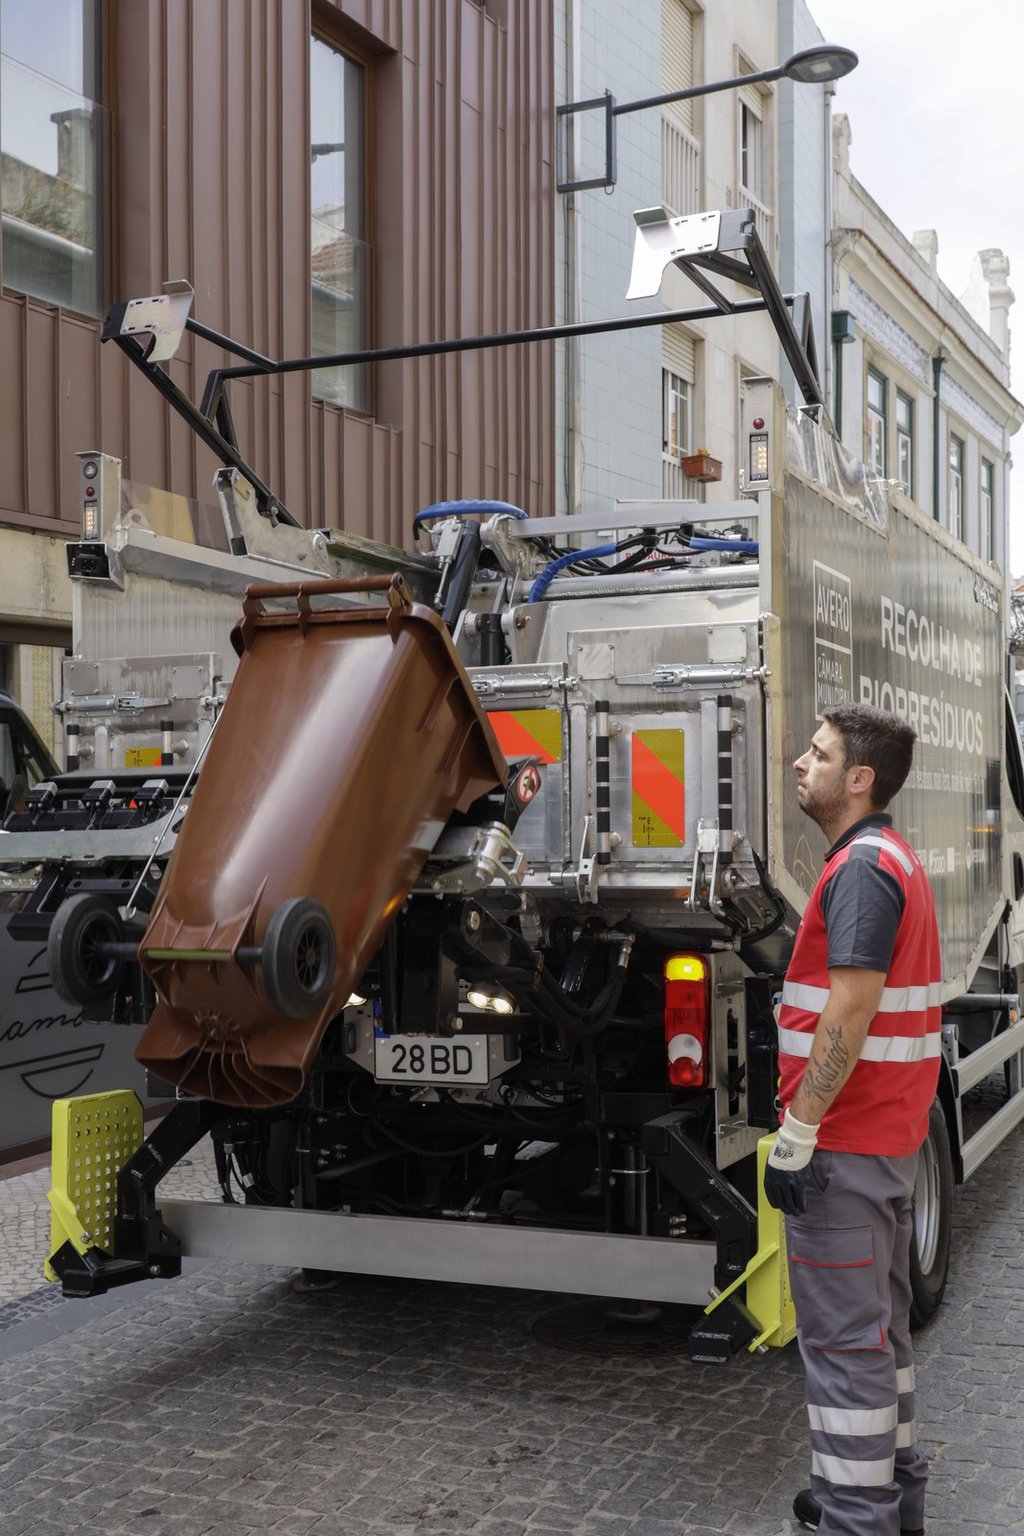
686,1021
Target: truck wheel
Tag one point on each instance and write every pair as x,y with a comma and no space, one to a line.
933,1215
81,926
298,958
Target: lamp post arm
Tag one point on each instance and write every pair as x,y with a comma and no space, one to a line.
620,109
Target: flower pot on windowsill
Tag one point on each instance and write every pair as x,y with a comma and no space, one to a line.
701,466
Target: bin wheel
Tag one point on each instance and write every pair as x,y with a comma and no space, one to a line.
933,1216
298,958
81,927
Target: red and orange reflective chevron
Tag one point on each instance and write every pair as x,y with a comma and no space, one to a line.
883,1107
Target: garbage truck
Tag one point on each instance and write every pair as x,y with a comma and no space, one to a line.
450,890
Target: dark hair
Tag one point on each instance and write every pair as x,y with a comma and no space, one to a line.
878,740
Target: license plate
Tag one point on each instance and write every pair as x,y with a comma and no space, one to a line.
430,1059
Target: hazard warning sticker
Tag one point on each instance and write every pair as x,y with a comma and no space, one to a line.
659,802
529,733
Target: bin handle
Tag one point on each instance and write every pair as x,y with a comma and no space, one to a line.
399,598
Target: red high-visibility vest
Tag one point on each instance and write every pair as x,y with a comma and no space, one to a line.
883,1107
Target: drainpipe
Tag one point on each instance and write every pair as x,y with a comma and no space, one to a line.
572,254
937,362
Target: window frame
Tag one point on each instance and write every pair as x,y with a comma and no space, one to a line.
956,469
747,151
323,28
99,76
905,440
878,464
669,378
987,509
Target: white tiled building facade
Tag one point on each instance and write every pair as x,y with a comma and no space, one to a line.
887,329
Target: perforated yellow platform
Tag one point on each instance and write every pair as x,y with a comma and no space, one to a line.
93,1137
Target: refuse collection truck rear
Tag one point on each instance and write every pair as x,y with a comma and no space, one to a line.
529,1039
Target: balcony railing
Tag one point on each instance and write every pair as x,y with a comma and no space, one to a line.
764,220
674,484
680,168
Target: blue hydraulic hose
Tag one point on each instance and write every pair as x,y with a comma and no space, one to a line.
574,557
467,509
740,546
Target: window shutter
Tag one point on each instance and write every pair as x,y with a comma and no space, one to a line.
751,97
678,352
677,56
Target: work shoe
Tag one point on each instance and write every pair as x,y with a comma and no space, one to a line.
808,1512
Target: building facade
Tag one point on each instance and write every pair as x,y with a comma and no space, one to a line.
329,175
921,383
632,407
339,175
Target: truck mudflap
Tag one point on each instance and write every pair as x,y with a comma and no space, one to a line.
349,737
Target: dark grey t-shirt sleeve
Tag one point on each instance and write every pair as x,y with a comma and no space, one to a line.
862,905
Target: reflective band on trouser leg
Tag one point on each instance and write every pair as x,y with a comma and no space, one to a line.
847,1473
911,1465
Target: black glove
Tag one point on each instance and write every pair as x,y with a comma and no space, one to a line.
785,1190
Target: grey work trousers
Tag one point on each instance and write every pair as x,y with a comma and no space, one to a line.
849,1267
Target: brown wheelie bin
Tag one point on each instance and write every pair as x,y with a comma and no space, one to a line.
350,735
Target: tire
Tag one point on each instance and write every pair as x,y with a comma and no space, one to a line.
298,958
933,1219
81,925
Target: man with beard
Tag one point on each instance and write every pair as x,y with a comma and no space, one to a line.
859,1043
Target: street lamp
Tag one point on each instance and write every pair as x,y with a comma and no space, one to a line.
811,66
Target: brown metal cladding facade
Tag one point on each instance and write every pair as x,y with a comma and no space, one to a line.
209,103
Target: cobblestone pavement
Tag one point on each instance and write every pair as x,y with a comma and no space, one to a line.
226,1402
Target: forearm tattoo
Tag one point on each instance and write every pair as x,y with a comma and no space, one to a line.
823,1080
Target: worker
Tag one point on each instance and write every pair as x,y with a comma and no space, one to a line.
859,1040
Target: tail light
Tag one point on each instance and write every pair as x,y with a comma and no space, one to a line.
686,1021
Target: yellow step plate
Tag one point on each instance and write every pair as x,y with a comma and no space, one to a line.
93,1137
768,1293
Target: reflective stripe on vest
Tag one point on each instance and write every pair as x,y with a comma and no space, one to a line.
901,1048
799,994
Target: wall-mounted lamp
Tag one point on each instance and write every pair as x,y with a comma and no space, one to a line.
811,66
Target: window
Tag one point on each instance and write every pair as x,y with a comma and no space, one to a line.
680,148
754,144
676,416
988,507
339,257
877,422
956,487
905,441
53,152
752,176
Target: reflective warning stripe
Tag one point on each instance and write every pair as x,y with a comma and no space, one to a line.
848,1473
529,733
902,1048
906,1435
893,999
905,1380
852,1421
659,805
891,848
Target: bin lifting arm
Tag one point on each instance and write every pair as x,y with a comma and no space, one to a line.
725,245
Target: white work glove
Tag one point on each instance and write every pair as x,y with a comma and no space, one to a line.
783,1174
